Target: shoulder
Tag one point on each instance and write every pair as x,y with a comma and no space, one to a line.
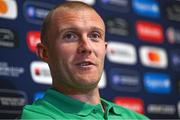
127,113
38,109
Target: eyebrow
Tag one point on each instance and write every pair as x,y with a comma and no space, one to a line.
97,29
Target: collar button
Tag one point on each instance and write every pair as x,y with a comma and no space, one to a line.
94,111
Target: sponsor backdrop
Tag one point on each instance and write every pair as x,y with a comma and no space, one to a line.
142,67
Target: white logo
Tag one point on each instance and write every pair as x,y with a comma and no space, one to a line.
102,82
12,101
8,9
161,109
90,2
40,72
153,57
121,53
173,35
10,71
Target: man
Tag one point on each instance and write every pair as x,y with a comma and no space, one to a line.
73,44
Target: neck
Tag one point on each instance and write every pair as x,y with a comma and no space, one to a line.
91,97
88,96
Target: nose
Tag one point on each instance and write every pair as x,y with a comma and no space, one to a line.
85,46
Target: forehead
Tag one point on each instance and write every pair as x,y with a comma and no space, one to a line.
83,18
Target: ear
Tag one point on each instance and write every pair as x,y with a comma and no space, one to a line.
41,51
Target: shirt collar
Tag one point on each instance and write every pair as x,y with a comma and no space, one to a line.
112,107
74,106
69,104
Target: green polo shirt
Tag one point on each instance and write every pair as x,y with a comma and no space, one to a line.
55,105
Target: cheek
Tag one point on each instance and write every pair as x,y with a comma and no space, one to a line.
100,51
66,53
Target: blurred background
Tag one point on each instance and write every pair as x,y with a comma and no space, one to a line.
142,66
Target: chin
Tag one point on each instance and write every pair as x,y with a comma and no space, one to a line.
87,80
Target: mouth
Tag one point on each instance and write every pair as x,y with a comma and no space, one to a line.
85,64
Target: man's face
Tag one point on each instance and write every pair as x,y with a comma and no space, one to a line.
76,48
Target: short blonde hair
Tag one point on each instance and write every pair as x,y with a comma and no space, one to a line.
73,5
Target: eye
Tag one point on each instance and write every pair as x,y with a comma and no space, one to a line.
95,36
70,36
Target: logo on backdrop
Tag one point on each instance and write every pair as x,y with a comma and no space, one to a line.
175,59
122,6
9,70
40,72
35,12
173,35
12,101
135,104
102,82
117,26
38,95
172,12
149,8
125,80
8,38
149,31
122,53
89,2
157,83
163,109
33,37
153,57
8,9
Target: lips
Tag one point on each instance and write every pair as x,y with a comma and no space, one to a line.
85,63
